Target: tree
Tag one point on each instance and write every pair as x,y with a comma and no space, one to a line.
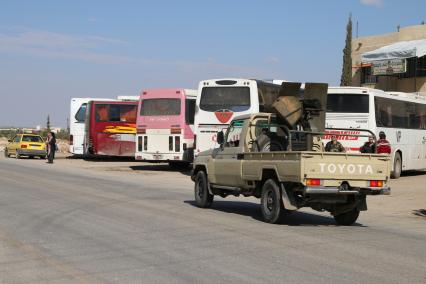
346,78
48,123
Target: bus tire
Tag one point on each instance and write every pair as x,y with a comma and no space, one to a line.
347,218
271,203
203,198
397,166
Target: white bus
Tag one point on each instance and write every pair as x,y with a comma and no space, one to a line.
77,119
402,116
220,100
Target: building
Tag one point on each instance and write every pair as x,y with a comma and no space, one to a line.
391,62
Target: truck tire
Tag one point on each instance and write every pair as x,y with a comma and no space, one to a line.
264,143
271,202
347,218
397,166
203,198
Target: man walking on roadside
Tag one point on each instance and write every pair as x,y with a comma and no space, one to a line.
51,147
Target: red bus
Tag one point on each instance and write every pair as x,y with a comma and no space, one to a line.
110,128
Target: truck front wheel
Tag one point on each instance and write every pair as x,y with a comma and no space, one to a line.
203,198
271,202
347,218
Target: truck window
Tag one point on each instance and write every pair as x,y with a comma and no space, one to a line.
234,133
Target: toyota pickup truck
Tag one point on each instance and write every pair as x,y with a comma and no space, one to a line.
287,170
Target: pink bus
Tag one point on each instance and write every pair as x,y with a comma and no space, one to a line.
165,126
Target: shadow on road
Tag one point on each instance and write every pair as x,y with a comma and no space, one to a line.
252,210
412,173
161,168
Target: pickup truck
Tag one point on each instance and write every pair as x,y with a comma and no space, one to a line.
256,158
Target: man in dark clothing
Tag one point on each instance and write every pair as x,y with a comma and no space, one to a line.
383,145
334,145
51,147
369,146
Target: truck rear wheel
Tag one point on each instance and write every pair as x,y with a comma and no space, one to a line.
203,198
271,202
347,218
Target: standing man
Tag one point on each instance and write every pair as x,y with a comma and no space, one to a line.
51,147
369,146
383,145
334,145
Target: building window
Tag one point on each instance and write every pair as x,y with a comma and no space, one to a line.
411,68
367,77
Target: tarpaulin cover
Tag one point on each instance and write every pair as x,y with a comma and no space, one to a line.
401,50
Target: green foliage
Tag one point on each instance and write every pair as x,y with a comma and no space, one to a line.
346,78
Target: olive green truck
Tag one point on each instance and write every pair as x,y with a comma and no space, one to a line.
287,168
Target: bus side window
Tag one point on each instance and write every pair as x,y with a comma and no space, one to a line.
189,111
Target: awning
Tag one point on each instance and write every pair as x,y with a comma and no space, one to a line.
399,50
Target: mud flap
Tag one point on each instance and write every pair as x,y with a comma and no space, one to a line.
288,200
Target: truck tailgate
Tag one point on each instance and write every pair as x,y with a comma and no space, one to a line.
356,169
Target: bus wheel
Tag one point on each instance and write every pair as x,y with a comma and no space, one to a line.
271,203
203,198
397,166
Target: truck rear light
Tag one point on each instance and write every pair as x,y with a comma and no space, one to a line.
175,130
195,142
313,182
376,183
71,140
140,143
145,143
141,130
24,146
177,143
184,146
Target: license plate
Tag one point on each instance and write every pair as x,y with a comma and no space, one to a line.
156,157
34,147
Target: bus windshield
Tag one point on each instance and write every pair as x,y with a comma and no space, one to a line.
225,98
347,103
157,107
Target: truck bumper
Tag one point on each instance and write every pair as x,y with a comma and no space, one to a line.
337,190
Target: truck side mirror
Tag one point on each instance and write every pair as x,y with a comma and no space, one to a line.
220,138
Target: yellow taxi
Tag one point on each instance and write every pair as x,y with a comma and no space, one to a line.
30,145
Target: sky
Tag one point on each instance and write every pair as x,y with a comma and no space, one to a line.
54,50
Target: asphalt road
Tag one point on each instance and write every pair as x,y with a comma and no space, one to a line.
68,222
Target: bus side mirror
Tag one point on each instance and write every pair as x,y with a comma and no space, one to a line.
220,138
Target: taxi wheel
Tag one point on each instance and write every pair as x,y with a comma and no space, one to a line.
17,155
30,157
6,153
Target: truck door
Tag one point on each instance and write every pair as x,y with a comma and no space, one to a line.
227,165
